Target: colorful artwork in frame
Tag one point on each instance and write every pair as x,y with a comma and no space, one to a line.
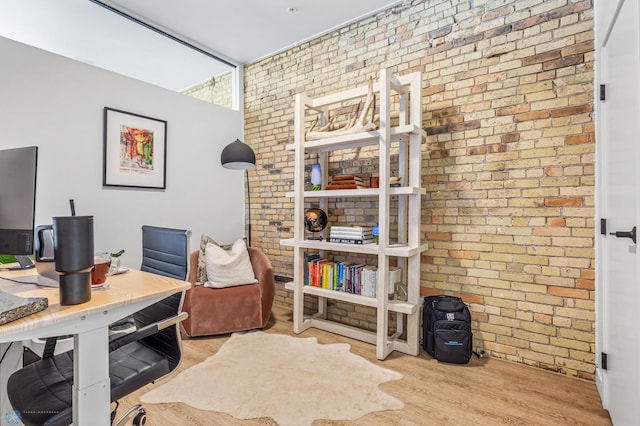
134,150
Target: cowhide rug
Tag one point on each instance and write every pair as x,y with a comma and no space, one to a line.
290,379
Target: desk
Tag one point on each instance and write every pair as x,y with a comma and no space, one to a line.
88,323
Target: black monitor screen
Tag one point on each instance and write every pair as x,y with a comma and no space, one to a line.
17,200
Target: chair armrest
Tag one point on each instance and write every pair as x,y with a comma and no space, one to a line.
262,268
146,331
193,267
263,271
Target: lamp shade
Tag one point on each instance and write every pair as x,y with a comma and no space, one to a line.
238,156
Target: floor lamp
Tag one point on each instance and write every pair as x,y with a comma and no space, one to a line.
240,156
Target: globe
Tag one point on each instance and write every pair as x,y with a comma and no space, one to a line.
315,220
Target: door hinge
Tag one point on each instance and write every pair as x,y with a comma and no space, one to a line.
603,92
603,360
603,226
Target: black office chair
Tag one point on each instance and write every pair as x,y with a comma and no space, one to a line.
165,251
42,390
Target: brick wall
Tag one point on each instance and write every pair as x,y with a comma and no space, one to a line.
217,90
508,163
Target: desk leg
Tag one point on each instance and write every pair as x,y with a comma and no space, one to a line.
91,387
12,362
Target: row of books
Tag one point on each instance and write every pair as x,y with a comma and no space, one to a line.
351,234
350,278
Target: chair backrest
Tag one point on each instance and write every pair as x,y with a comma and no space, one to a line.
164,252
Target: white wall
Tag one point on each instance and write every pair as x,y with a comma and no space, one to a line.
57,104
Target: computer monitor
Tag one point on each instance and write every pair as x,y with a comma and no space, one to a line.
18,168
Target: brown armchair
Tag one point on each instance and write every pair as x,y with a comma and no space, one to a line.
225,310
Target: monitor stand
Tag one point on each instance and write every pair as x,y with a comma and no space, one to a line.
25,262
46,276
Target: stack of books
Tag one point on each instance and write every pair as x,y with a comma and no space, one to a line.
346,182
351,234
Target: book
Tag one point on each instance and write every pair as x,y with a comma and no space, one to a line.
308,263
341,234
357,274
341,277
351,231
352,228
369,281
332,186
327,273
346,177
346,182
348,278
316,276
350,240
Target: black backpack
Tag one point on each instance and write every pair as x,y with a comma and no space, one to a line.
446,329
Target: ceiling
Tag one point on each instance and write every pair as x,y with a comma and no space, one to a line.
239,32
246,30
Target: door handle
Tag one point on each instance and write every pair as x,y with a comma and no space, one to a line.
622,234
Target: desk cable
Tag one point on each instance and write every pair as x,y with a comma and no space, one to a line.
23,282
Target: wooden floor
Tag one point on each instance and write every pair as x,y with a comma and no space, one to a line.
484,392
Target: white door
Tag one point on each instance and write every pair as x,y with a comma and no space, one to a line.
619,150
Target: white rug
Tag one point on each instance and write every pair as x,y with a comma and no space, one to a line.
292,380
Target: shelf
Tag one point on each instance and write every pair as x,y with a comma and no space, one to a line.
392,305
364,192
337,295
399,152
407,308
398,250
324,245
399,133
404,251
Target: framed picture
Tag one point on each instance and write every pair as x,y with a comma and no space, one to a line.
135,150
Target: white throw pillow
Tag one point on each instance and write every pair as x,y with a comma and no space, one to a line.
228,268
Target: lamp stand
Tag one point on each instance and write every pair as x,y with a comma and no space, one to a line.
246,178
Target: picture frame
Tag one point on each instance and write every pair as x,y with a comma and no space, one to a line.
135,150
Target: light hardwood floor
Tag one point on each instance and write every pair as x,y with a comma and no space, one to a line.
484,392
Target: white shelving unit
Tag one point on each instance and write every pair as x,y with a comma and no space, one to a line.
404,93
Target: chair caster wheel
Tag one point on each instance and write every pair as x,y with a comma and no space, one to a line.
141,418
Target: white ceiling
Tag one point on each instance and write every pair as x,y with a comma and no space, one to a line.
246,30
239,31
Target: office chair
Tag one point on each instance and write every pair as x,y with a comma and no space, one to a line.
164,252
42,390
